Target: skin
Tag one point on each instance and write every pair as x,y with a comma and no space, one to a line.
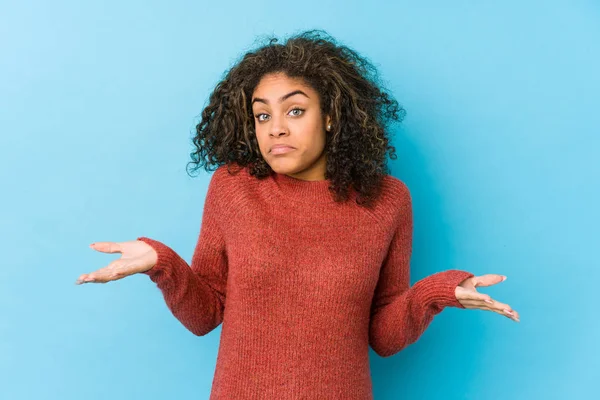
467,294
296,120
278,120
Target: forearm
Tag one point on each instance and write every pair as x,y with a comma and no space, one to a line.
403,320
189,297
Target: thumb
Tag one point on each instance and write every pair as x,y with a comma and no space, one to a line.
488,279
106,247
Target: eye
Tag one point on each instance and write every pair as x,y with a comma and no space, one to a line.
299,112
257,116
297,109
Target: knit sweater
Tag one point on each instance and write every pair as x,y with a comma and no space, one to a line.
303,286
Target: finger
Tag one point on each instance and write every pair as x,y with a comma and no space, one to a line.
82,279
477,305
488,279
512,315
501,306
111,272
473,304
464,294
484,301
504,309
516,316
104,276
107,247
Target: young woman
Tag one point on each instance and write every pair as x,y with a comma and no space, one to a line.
305,241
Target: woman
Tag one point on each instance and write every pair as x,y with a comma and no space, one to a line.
305,242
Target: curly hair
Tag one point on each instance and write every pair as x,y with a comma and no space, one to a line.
349,90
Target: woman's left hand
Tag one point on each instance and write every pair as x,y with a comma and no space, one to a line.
469,297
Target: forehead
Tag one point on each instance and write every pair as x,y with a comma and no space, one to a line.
276,84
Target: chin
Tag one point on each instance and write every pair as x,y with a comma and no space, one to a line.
283,166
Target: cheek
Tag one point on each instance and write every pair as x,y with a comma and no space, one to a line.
261,140
310,135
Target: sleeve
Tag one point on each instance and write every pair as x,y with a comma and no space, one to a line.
195,294
399,313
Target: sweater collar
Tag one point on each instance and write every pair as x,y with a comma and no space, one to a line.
303,190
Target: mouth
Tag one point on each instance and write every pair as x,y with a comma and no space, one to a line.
281,149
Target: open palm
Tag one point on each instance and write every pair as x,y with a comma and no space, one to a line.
467,294
136,256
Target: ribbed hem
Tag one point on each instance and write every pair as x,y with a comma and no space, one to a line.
439,290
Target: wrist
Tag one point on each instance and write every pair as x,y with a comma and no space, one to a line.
439,290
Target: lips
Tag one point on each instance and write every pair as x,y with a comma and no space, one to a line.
279,148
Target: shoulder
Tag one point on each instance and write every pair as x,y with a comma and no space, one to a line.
395,191
393,202
224,187
218,184
229,179
397,200
231,173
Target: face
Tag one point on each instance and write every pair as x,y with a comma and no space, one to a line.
288,112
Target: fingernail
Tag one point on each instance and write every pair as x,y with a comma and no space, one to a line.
489,301
508,312
503,278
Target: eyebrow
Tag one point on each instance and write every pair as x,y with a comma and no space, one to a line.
282,98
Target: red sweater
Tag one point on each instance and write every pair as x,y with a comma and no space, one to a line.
303,285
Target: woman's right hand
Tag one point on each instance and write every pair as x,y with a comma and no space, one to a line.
137,256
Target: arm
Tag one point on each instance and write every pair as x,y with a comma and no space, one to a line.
195,295
400,313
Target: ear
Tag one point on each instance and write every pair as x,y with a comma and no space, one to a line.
327,122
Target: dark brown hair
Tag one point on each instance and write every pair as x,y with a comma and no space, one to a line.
349,91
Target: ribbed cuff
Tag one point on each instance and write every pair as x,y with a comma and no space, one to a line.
165,257
439,290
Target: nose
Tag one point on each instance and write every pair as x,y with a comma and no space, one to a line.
278,127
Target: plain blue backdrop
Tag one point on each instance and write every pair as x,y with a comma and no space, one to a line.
500,147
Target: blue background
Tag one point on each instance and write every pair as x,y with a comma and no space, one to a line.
98,102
